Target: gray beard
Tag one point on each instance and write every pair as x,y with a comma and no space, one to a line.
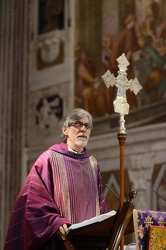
80,143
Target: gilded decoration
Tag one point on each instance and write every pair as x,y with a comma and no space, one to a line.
157,238
144,221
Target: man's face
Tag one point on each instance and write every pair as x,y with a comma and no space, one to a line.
77,137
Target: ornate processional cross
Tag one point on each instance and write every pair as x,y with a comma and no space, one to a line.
121,106
122,83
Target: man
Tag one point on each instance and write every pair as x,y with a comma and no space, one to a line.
63,187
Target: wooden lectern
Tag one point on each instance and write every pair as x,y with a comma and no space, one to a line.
105,234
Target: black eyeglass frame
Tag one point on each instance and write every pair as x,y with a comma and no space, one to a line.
78,124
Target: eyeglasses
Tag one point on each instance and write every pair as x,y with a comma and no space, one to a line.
79,125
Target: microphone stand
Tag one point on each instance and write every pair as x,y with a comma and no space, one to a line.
159,195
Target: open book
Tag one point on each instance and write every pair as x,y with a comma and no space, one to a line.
103,231
91,221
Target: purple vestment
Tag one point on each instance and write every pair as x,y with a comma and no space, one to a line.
62,187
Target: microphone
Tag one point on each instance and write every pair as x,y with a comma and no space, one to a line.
159,195
113,194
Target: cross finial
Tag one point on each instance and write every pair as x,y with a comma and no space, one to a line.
123,62
122,83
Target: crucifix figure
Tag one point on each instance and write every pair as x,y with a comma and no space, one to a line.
122,83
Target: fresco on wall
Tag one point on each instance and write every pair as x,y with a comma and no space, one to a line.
139,31
89,91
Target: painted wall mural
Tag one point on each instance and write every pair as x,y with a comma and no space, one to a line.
136,28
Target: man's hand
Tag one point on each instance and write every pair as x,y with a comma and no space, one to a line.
61,232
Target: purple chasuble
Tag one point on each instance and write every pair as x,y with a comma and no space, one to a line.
62,187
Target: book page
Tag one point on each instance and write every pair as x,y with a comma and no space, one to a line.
95,219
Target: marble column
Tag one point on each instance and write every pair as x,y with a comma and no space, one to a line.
14,47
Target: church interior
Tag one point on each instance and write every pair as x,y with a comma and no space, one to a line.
53,54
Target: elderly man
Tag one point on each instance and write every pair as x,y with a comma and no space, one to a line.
63,187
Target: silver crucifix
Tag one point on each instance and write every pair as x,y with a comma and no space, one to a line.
121,105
